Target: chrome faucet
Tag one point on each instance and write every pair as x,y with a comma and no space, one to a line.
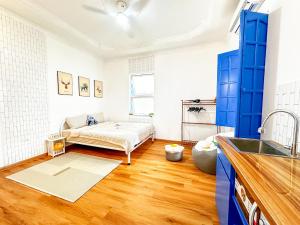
296,128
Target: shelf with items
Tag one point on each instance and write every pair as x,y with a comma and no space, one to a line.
56,145
196,113
198,123
199,103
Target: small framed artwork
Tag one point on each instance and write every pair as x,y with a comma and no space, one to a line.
84,86
98,89
64,83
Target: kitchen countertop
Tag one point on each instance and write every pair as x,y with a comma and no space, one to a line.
273,182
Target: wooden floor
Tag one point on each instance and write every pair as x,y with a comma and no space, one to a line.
150,191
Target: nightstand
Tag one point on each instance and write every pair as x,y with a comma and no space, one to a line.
55,145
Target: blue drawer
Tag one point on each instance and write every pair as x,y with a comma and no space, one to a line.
222,194
225,162
237,216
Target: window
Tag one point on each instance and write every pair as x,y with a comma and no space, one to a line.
141,94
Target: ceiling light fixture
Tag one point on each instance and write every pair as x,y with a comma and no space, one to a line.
123,11
122,20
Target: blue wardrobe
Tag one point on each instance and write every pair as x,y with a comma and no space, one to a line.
241,78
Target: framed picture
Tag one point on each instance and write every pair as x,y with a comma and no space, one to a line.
98,89
64,83
84,86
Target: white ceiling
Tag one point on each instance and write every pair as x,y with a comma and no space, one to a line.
161,24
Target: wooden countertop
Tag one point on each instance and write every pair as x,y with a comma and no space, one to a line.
273,182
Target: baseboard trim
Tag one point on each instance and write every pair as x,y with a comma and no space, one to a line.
173,141
21,162
166,140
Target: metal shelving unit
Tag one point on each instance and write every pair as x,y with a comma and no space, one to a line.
208,105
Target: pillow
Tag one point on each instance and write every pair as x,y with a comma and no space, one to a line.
91,120
76,121
99,117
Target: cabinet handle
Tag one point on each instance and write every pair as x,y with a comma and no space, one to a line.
252,213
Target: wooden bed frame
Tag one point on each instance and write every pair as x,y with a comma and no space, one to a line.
64,126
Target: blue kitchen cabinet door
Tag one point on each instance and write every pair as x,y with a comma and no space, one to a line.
253,42
237,216
222,194
228,88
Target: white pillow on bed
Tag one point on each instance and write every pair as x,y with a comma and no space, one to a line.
99,117
76,121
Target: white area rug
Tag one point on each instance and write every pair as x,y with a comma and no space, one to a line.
68,176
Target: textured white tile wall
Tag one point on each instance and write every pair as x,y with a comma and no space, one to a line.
141,65
287,97
23,90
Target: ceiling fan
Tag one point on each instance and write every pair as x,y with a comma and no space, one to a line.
121,10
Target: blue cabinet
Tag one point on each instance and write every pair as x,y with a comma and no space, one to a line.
224,188
236,213
222,193
253,42
241,78
229,211
228,88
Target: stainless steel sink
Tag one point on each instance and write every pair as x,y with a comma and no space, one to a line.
259,147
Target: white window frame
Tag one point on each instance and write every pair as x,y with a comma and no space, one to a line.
138,96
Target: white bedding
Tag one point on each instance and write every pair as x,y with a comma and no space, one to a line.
125,134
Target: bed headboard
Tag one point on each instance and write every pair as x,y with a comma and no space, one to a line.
79,121
63,126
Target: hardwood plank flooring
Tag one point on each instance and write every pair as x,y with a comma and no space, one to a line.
150,191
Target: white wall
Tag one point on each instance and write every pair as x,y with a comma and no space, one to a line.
62,57
289,44
30,107
287,97
282,51
185,73
23,90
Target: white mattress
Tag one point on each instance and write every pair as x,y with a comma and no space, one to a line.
125,134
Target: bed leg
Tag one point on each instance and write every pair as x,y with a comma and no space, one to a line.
153,137
128,159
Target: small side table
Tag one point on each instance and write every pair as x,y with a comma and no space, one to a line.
56,145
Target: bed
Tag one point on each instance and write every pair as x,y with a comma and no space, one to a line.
120,136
